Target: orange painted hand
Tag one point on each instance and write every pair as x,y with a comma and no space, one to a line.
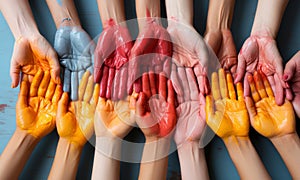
266,117
75,120
36,106
112,118
31,54
156,116
226,114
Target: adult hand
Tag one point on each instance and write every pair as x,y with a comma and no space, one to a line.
292,77
75,120
152,52
29,55
226,113
111,58
36,106
260,52
75,49
266,117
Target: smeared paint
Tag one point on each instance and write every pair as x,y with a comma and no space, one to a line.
2,107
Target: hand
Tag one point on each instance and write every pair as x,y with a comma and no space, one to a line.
75,120
191,110
292,76
260,52
189,50
221,41
29,55
75,49
156,117
152,51
230,116
111,57
113,118
36,106
266,117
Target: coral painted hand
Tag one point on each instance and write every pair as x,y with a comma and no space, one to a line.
226,113
113,119
221,41
260,52
292,76
31,54
156,116
190,50
36,106
75,49
266,117
75,120
191,110
152,51
111,58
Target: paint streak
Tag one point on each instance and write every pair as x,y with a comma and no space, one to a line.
2,107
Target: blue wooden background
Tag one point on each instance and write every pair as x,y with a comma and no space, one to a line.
220,164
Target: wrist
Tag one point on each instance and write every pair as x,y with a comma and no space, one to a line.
73,146
25,136
288,138
111,12
155,149
109,146
180,11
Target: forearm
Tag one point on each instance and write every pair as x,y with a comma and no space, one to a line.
245,158
268,17
106,159
16,154
19,17
112,10
147,9
288,147
62,10
66,160
154,162
220,14
192,161
180,10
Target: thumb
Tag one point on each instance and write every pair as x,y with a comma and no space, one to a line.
289,70
15,69
251,108
241,68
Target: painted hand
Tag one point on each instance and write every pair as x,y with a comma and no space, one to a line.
36,106
31,54
226,113
266,117
292,76
75,120
75,49
111,58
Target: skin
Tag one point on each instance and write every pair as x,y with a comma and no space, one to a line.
35,115
218,34
112,51
292,77
260,52
227,116
75,125
274,122
31,49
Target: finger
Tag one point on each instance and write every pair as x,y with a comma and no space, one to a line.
152,82
50,90
259,85
192,84
246,85
255,95
289,94
215,87
290,68
116,85
54,66
267,85
123,85
98,74
67,81
80,75
241,66
44,84
63,105
74,86
209,107
185,84
141,104
111,76
146,85
89,90
57,94
239,89
23,95
82,85
36,83
15,70
103,83
279,98
162,87
171,94
251,108
231,90
223,84
95,98
177,84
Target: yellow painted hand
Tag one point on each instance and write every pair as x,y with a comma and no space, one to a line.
75,120
266,117
226,114
36,106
